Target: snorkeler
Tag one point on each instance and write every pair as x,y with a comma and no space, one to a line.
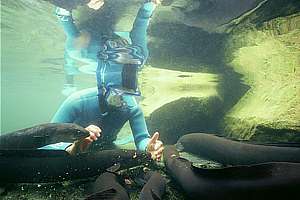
113,102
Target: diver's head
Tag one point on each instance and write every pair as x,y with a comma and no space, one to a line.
95,4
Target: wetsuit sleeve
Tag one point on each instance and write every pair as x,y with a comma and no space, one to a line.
68,111
69,65
69,26
138,33
71,32
139,129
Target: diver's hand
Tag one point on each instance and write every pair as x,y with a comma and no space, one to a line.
155,147
83,144
95,4
156,2
94,131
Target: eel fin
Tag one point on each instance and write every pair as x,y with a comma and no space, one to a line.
109,194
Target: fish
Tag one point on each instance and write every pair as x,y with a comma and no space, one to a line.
107,186
213,15
229,152
43,166
155,187
273,180
42,135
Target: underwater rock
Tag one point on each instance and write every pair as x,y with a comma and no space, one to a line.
229,152
212,15
275,180
266,54
209,15
42,135
184,116
37,166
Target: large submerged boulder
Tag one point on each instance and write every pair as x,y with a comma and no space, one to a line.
265,50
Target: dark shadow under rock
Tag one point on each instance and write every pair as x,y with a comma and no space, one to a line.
184,116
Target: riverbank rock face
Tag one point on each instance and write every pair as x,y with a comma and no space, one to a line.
267,53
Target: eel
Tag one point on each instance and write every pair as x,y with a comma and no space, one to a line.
42,135
40,166
155,187
274,180
107,187
229,152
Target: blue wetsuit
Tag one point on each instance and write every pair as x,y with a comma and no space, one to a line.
83,107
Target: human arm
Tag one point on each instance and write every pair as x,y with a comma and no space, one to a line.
66,20
138,33
141,136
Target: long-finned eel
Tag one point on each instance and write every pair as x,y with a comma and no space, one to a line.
231,152
274,180
155,187
33,166
41,135
107,187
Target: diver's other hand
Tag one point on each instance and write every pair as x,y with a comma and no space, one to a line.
155,147
61,12
156,2
83,144
95,4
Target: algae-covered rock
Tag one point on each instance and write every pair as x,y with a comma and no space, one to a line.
268,57
186,115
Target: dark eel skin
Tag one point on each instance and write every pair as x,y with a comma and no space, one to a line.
155,187
107,187
230,152
41,135
276,180
33,166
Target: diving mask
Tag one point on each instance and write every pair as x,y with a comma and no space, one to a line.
115,96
